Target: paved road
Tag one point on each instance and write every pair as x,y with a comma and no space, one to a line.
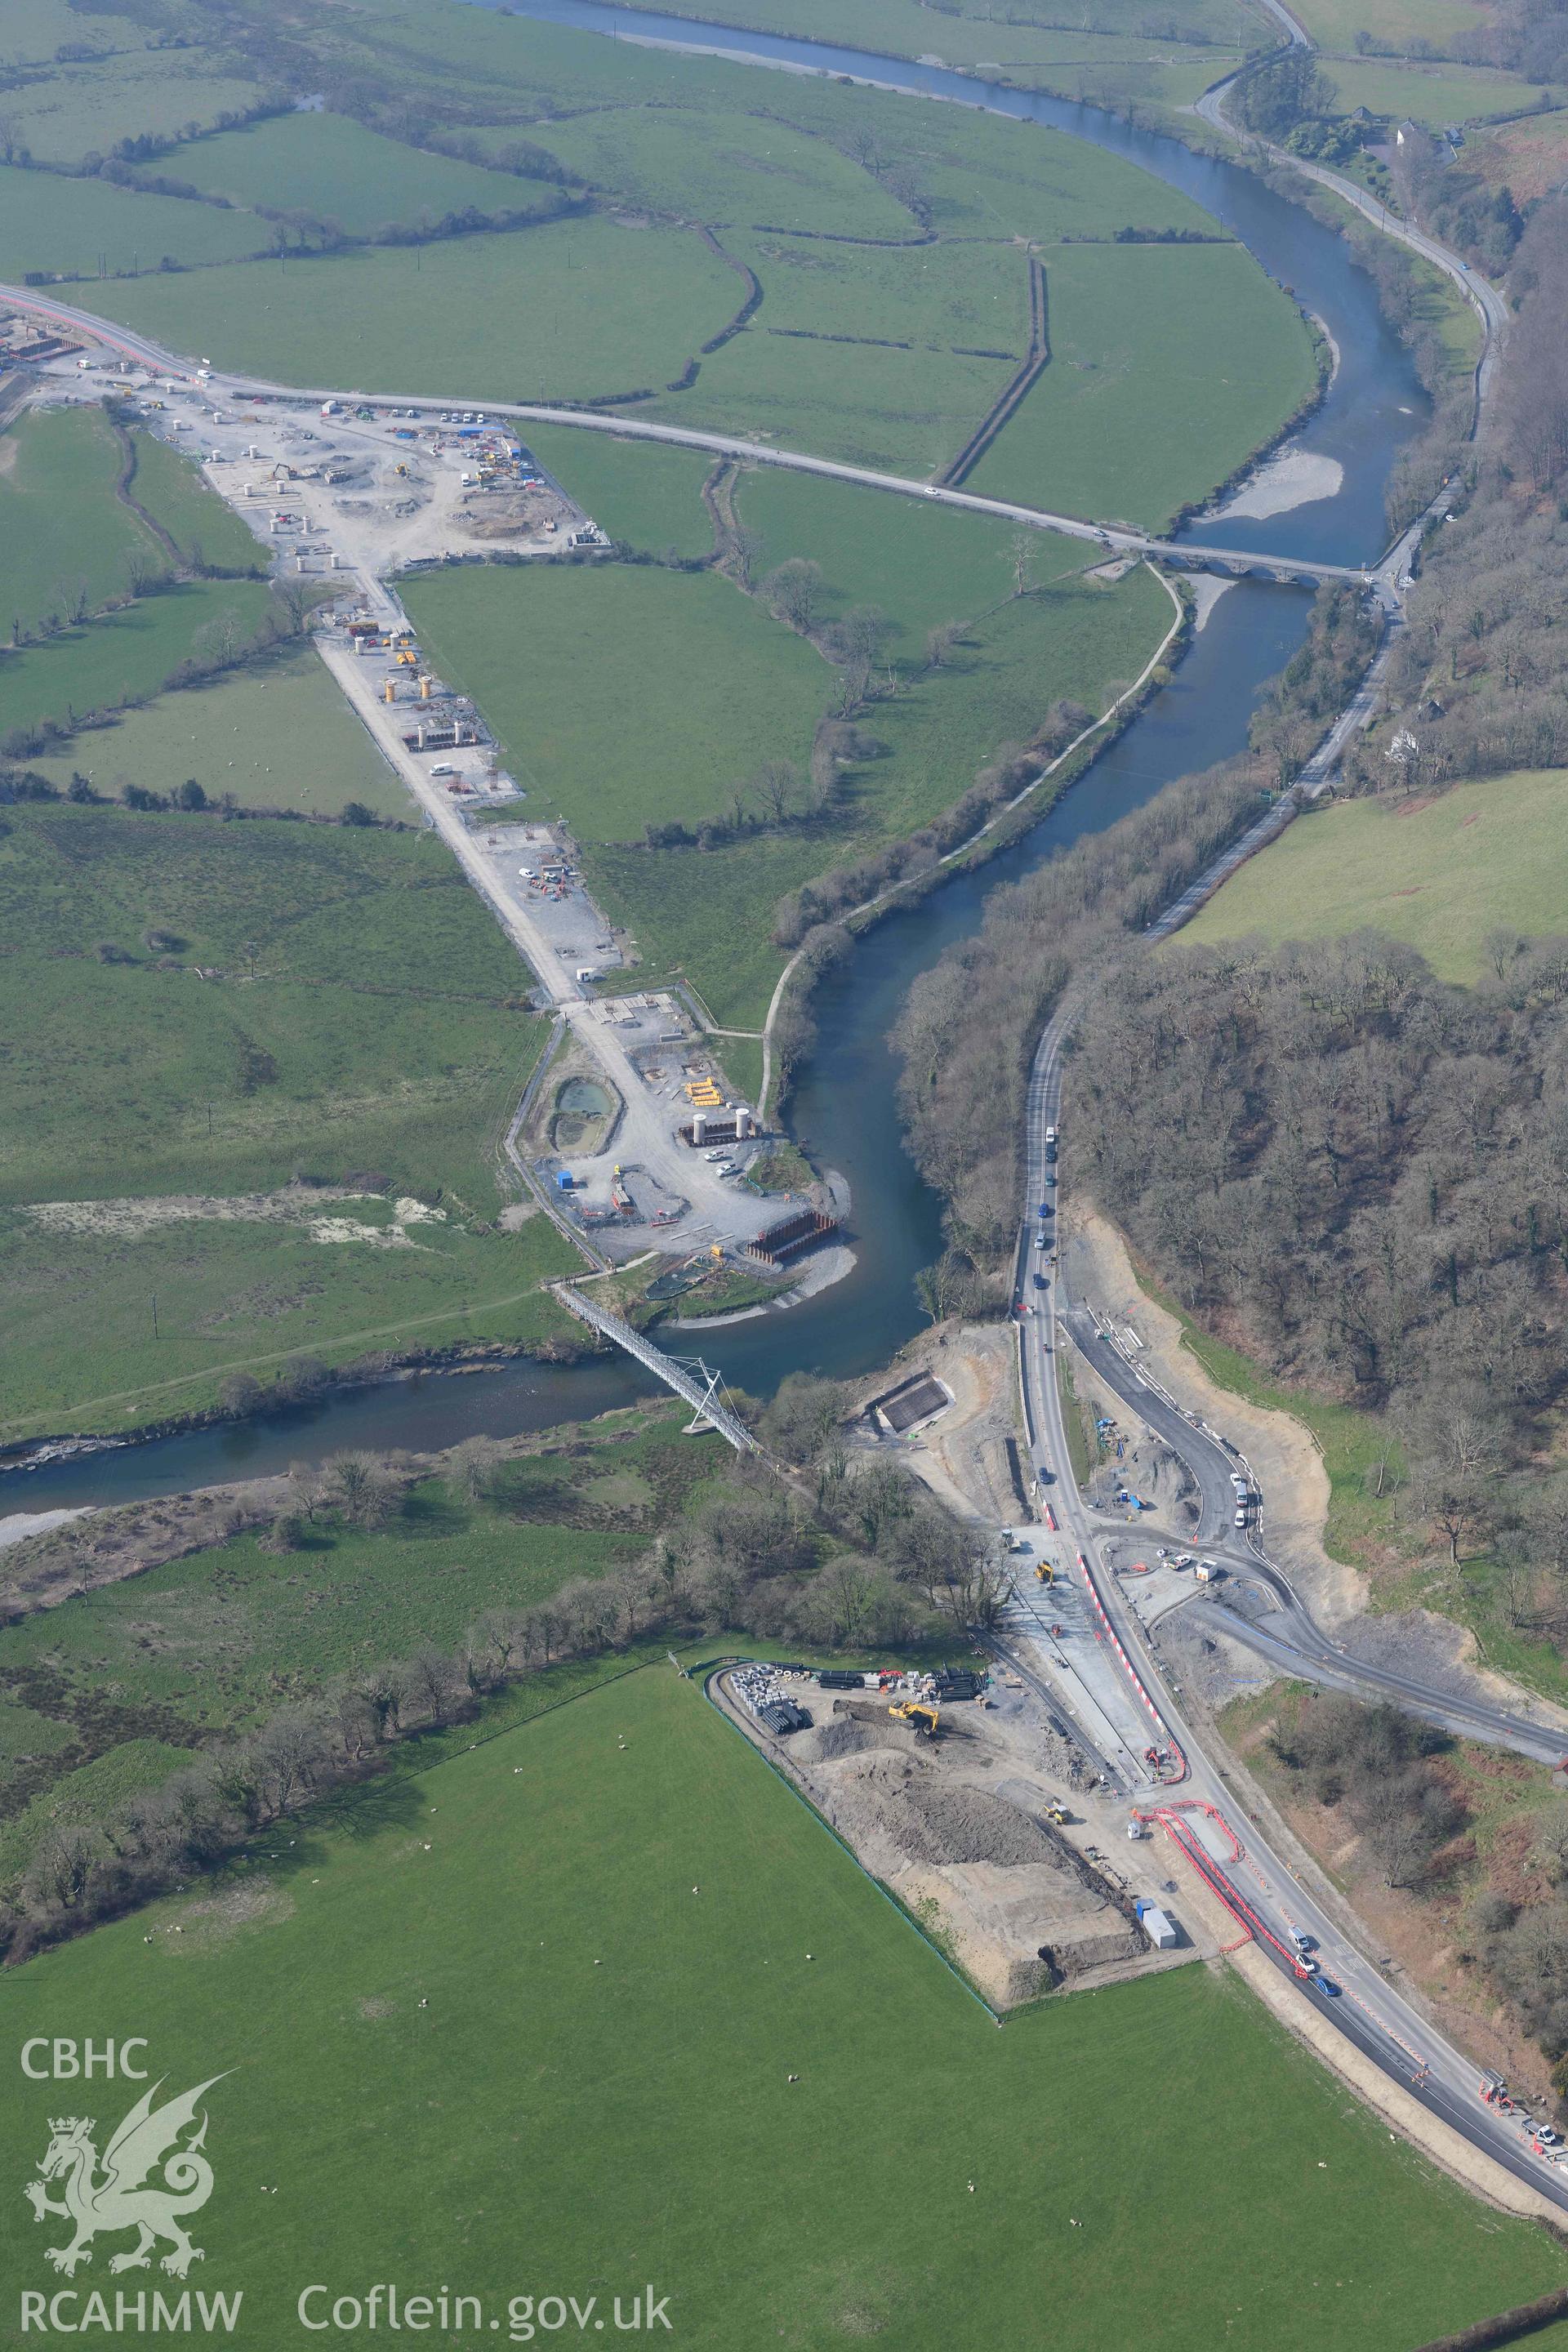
1111,539
1291,1636
1478,291
1252,1878
1317,776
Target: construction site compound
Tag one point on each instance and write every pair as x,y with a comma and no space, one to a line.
982,1813
629,1136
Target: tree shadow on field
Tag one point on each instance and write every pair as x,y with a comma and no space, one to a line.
390,1800
432,1513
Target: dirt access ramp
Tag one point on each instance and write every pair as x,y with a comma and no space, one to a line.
1289,1469
1284,1457
967,1454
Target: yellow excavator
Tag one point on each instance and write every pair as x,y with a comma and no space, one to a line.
925,1721
1044,1573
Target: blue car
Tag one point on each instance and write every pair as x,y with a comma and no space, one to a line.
1326,1987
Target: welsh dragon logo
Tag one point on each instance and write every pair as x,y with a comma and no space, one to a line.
120,2197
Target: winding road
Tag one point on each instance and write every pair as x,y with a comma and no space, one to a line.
1478,291
1203,1816
1288,1634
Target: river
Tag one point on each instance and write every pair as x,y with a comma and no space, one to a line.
845,1112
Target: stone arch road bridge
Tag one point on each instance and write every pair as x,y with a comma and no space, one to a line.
1112,539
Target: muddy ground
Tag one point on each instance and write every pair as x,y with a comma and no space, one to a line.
963,1455
1284,1458
957,1829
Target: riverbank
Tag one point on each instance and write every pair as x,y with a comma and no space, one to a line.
842,1103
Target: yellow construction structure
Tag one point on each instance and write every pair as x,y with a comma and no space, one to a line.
923,1719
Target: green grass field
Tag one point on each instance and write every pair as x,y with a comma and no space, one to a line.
724,168
1439,875
279,737
919,565
203,526
647,496
219,1639
1430,94
360,1025
903,412
1125,51
544,2125
707,912
36,28
426,45
123,656
64,532
61,526
224,1635
216,1641
82,110
374,1033
1165,360
1334,24
330,1280
336,170
82,227
886,352
574,311
556,658
938,295
868,354
623,696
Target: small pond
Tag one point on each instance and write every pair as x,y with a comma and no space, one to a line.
582,1105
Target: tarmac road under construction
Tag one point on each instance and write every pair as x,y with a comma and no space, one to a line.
1187,1796
1288,1635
